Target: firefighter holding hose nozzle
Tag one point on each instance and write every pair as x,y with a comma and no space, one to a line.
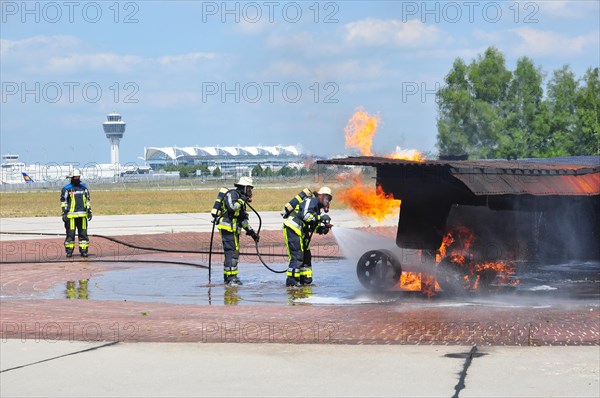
230,219
299,223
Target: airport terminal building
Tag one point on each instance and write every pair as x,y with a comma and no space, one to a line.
230,159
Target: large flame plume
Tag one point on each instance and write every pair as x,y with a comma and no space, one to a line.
360,131
368,202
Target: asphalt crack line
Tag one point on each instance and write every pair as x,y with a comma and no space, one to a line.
61,356
463,374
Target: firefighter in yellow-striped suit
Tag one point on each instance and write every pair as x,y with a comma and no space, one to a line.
298,228
76,212
234,217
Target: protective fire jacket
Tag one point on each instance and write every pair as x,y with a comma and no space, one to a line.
75,200
304,217
233,213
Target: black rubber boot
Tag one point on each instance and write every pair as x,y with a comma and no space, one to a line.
233,280
292,282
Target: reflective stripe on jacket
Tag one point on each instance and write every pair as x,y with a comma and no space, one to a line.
75,200
233,213
304,216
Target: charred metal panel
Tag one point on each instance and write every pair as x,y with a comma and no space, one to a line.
422,224
415,183
483,177
561,201
538,184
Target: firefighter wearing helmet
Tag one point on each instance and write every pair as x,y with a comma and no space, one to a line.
76,212
298,228
233,217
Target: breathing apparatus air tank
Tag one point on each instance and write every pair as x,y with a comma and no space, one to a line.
296,200
216,210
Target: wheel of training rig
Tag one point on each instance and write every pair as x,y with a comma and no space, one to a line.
450,277
378,269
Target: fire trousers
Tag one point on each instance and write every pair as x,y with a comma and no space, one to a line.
231,249
300,258
79,223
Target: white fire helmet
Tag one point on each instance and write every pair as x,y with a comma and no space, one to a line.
245,182
325,191
76,173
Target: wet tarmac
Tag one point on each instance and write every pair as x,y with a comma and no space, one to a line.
572,285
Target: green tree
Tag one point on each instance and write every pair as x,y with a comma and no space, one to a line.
257,171
524,112
286,171
217,172
587,128
454,108
489,77
470,118
203,170
562,93
487,111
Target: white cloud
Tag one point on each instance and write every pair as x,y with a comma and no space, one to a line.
37,43
306,44
61,54
252,27
377,32
335,71
561,8
105,62
539,42
185,59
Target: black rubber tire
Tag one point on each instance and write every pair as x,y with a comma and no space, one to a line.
378,269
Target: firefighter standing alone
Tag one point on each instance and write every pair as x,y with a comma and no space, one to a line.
231,219
298,228
76,212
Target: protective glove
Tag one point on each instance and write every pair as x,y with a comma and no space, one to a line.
322,230
89,215
325,219
64,217
253,235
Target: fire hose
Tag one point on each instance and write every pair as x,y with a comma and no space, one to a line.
209,252
137,247
256,242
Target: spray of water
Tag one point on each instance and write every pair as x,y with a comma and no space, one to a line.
354,243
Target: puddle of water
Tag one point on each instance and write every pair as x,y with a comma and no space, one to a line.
335,284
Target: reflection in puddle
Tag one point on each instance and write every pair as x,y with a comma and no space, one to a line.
77,289
297,294
231,295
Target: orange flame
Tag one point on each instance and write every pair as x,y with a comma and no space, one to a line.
410,281
366,201
360,131
473,271
419,282
504,270
407,154
447,241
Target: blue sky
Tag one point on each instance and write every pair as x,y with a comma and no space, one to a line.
248,73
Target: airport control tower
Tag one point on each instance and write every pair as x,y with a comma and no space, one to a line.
114,128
